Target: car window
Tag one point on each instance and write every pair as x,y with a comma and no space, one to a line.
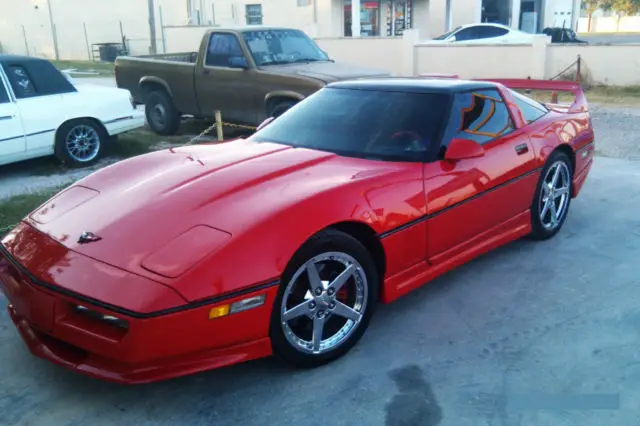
21,82
375,124
4,94
481,116
531,110
445,35
489,32
269,47
222,47
469,33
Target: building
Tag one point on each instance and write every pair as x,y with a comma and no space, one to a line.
32,26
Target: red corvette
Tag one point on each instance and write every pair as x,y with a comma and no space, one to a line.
194,258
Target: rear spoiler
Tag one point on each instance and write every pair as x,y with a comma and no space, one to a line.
579,104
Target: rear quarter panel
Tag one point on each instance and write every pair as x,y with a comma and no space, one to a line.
177,78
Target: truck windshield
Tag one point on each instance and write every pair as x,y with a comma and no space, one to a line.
374,124
271,47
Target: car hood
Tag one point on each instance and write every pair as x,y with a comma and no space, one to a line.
137,206
328,71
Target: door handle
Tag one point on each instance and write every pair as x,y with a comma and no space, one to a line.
206,71
6,117
522,149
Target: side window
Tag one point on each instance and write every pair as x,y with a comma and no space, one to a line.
21,82
222,47
4,94
489,32
466,34
531,110
481,116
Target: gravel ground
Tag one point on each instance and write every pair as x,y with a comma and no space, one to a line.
617,135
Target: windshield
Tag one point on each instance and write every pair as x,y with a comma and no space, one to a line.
269,47
445,35
363,123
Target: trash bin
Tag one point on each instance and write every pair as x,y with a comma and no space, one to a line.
109,51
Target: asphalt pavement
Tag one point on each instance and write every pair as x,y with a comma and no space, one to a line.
535,333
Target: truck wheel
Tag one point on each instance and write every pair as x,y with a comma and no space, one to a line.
162,115
80,143
281,107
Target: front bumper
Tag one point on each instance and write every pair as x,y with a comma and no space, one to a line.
153,346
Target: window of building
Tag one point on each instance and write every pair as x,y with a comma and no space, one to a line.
254,14
380,17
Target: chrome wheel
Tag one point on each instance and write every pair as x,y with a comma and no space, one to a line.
324,302
83,143
554,196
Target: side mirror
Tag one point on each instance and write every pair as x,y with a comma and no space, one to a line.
265,123
460,149
238,62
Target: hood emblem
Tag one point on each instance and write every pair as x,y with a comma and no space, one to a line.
88,237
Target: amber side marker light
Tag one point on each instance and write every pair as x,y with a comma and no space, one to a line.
235,307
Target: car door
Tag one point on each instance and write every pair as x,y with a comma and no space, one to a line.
220,86
40,107
470,200
12,141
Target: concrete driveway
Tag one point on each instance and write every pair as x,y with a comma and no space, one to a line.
543,334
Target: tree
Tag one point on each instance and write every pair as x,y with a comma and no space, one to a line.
591,6
623,8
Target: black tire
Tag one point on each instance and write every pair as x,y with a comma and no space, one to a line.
539,229
325,242
281,107
80,143
161,113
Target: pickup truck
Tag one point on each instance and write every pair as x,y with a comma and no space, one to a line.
248,73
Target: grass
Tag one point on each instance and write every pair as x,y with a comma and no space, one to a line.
14,209
102,68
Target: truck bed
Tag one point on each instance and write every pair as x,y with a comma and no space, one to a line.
174,72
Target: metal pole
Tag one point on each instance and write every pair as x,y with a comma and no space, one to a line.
26,43
53,31
152,28
213,13
86,40
164,38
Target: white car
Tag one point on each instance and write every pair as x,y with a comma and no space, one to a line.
483,33
42,112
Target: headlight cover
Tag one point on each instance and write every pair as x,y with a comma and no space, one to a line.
184,251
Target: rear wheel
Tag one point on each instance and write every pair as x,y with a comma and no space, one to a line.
326,298
551,203
162,115
80,143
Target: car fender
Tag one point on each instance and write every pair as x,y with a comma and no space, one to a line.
152,80
260,253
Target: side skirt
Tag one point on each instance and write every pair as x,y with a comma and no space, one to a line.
416,276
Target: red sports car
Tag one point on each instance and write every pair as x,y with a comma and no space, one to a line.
194,258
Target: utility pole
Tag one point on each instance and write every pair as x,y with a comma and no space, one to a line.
152,27
54,33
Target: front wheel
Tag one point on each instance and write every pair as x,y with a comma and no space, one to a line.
551,202
326,299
